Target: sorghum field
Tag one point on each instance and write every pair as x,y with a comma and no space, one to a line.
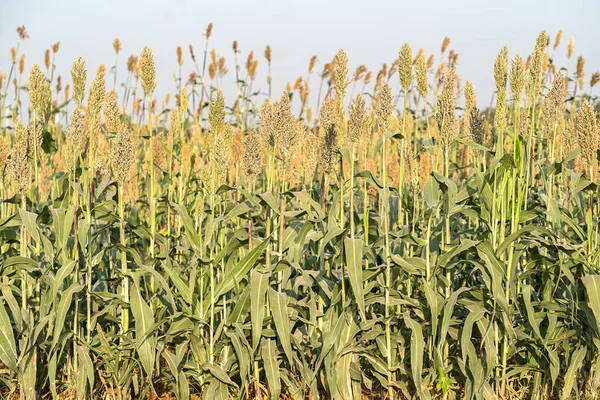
387,243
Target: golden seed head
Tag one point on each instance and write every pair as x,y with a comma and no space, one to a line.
123,156
446,118
112,113
47,58
96,96
329,133
595,79
117,45
22,33
79,78
175,129
216,115
159,153
253,156
517,76
267,124
208,30
384,108
470,98
587,131
535,68
4,152
357,120
580,66
298,83
421,74
22,64
553,106
184,101
557,39
268,53
19,164
148,71
340,74
286,128
40,93
179,55
405,66
235,46
501,68
570,48
430,61
445,44
311,64
221,154
77,132
131,63
476,125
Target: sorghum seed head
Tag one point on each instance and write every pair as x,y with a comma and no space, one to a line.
184,101
340,74
117,45
122,154
97,93
22,64
77,132
47,59
253,155
501,68
517,76
268,53
405,66
357,120
557,39
535,69
384,108
208,30
570,48
40,93
470,98
79,77
19,164
179,56
311,64
148,71
112,113
446,118
175,123
4,152
329,133
595,79
586,128
445,44
22,33
422,78
476,125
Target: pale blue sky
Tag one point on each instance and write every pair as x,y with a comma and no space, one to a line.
371,32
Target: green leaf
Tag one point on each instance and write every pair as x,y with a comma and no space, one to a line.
8,347
144,322
431,193
278,302
354,252
271,365
259,283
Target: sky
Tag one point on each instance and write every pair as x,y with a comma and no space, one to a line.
371,32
